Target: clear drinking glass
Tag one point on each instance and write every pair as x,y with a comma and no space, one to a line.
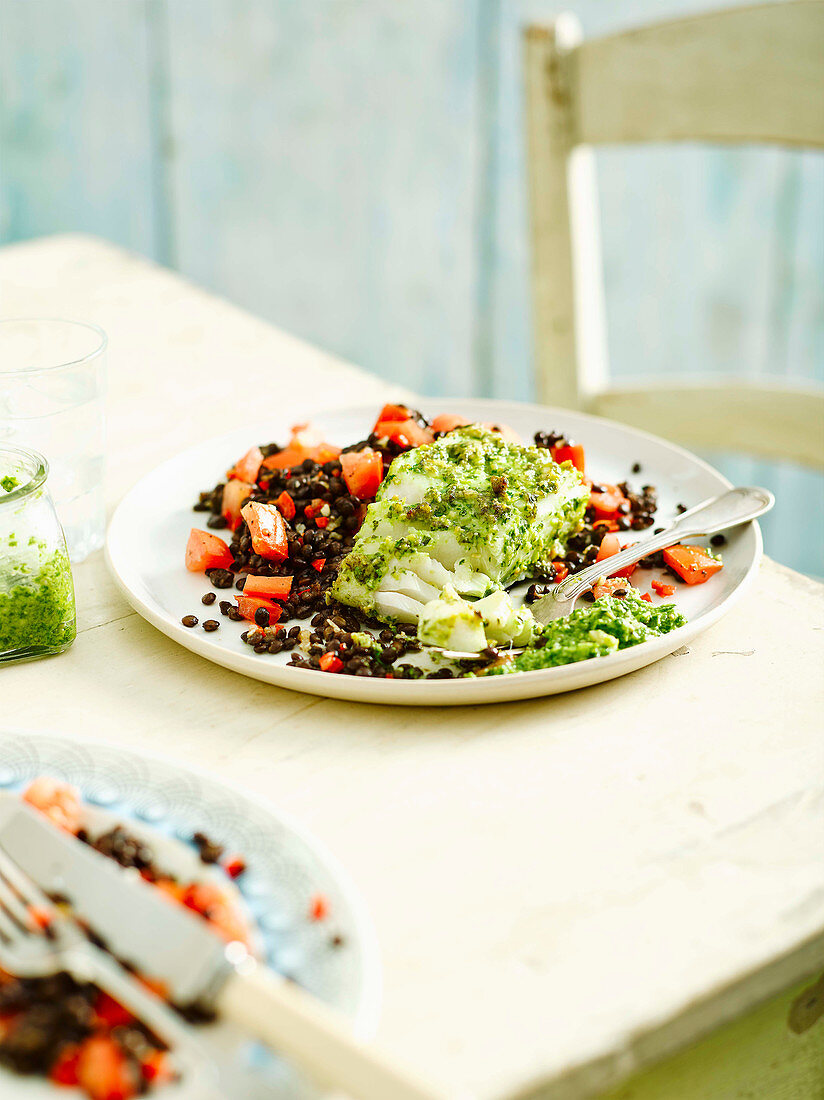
37,614
52,386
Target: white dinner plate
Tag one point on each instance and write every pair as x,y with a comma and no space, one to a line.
148,533
166,803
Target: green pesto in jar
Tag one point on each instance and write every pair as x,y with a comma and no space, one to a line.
607,625
37,607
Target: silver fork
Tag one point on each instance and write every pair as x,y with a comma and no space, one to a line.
37,939
719,513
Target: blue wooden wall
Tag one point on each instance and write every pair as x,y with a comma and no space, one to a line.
354,171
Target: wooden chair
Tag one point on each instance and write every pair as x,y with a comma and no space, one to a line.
753,74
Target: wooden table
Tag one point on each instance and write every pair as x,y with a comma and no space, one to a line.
566,890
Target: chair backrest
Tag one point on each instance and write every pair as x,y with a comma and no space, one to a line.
753,74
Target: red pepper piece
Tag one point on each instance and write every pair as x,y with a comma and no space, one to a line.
330,662
234,866
569,452
319,907
286,505
249,605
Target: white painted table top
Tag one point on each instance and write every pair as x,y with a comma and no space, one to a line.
564,889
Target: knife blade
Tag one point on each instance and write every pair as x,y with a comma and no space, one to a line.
140,926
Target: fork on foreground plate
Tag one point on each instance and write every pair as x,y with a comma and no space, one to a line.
37,939
730,509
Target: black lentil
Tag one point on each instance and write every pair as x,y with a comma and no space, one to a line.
207,850
220,578
189,620
208,599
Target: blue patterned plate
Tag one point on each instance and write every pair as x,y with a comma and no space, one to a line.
336,958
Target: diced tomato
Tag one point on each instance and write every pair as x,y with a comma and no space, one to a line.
606,504
692,563
41,917
59,801
248,605
610,545
330,662
283,460
326,452
609,586
569,452
561,570
169,887
206,551
110,1012
268,530
646,596
322,522
448,422
8,1021
313,508
157,1067
219,908
393,413
605,525
362,472
319,907
64,1067
306,442
234,866
286,505
663,589
104,1071
235,492
293,456
248,467
270,588
318,564
406,433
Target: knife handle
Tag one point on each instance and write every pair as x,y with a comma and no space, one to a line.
314,1036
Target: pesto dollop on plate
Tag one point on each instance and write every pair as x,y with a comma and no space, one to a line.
604,627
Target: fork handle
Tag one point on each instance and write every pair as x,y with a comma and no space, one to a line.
315,1037
730,509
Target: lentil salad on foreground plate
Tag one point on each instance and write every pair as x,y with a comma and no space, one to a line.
233,860
410,536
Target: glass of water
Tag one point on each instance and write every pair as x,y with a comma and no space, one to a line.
52,387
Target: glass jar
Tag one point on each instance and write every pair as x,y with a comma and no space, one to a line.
37,615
